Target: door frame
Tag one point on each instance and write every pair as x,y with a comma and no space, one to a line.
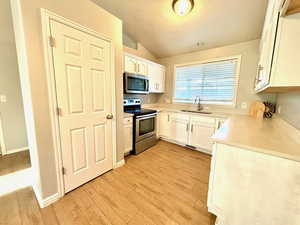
46,17
2,142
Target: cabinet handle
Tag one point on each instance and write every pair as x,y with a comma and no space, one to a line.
138,67
135,67
187,127
168,118
192,128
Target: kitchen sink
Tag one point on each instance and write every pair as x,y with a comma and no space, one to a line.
195,111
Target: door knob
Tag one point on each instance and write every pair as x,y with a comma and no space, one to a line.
109,116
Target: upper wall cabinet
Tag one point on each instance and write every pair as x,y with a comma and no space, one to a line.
154,71
156,78
278,69
130,64
135,65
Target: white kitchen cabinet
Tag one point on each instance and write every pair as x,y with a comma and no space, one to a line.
248,187
189,129
180,128
156,78
154,71
130,64
164,127
135,65
142,67
267,46
128,134
202,129
278,69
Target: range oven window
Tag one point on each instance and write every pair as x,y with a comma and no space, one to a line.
136,84
146,126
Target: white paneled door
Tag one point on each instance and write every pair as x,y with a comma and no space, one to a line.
82,65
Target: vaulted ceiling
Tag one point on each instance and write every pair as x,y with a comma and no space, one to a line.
212,23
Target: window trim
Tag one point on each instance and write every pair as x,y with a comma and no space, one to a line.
238,70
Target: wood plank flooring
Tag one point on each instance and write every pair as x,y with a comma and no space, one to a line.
14,162
166,185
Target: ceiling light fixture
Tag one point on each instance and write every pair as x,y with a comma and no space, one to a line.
182,7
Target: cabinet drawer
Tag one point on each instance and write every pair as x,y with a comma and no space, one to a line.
127,121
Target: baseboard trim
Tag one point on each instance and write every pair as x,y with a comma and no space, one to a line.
120,163
47,201
202,150
50,200
11,151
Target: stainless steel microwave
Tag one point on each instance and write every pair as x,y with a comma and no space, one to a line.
136,84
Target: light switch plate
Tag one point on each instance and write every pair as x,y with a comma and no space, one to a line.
3,99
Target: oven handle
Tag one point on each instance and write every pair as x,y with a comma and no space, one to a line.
153,115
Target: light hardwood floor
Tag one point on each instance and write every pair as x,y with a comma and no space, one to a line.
14,162
166,185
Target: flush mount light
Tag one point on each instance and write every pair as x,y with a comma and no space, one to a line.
182,7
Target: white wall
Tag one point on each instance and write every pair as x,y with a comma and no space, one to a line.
289,104
250,55
11,112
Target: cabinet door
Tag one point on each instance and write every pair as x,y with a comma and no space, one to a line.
164,124
152,77
156,78
267,45
130,64
180,129
160,82
202,129
128,138
142,67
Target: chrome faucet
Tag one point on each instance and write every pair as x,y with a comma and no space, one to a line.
198,102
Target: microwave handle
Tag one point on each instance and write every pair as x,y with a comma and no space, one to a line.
147,85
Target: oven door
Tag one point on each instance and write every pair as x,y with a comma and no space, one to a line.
145,126
136,84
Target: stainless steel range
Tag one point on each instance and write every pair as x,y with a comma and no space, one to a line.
144,125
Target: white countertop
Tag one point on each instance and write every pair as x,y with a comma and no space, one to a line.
220,113
269,136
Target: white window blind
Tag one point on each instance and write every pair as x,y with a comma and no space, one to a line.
214,83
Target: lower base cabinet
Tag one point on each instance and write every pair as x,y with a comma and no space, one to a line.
164,124
186,129
201,132
179,128
247,187
128,134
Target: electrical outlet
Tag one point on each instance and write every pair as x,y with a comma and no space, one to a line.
244,105
3,99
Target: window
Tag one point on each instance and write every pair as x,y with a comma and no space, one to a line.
214,82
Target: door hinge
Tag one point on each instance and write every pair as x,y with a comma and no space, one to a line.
59,111
52,41
63,170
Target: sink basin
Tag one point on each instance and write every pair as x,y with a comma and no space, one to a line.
195,111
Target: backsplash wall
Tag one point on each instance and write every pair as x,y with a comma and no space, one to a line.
289,104
146,99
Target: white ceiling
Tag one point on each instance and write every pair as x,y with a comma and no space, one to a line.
212,22
6,25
